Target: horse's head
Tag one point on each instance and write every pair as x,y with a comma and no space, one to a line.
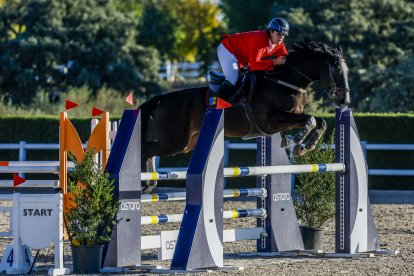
334,77
318,61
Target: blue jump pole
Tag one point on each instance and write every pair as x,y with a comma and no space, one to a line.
200,240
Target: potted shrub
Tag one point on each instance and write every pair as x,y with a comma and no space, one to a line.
92,213
315,199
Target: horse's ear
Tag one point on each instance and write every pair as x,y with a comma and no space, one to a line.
340,49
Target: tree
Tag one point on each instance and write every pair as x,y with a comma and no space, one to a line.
185,30
373,34
391,88
248,15
61,43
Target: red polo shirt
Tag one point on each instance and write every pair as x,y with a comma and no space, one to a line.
253,48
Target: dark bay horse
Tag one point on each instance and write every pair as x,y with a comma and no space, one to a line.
277,104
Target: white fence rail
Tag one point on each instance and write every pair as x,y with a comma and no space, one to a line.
181,71
23,147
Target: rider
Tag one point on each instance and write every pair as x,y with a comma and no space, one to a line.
261,50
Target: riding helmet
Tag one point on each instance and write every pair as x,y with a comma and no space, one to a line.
280,25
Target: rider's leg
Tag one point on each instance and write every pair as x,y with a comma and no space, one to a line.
229,66
225,90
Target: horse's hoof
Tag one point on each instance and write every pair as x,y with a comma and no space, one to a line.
150,185
310,147
299,150
287,140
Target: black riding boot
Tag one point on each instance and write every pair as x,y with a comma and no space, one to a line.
225,90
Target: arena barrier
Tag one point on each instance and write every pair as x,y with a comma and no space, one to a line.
36,220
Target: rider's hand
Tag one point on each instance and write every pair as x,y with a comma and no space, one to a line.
279,60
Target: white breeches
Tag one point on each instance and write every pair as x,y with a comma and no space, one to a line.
229,64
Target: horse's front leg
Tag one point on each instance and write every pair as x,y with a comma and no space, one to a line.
316,135
303,121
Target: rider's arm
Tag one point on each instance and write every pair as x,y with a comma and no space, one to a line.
256,60
281,54
279,60
259,61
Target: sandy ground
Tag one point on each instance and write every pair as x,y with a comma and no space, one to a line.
395,224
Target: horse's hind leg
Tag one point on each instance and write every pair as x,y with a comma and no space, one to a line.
171,145
151,184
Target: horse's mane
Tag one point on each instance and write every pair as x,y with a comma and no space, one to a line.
306,48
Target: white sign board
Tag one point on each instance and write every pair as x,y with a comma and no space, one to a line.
168,242
38,219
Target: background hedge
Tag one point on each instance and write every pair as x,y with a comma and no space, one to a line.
373,128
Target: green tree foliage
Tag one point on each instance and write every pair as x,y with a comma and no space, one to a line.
247,15
373,34
60,43
391,88
185,30
93,209
134,6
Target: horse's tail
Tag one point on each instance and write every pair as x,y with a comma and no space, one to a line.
147,111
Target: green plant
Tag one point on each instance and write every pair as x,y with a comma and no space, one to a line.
315,202
93,207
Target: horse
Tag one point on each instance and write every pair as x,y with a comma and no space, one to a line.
277,105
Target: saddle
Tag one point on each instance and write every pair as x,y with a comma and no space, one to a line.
242,96
243,89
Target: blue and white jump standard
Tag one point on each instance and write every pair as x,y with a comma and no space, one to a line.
124,166
200,240
281,224
355,227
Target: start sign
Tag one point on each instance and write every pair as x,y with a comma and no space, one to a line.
38,216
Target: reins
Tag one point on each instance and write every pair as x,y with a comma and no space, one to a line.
331,92
291,86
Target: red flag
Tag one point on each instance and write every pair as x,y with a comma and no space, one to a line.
222,104
96,111
130,98
4,163
17,180
70,104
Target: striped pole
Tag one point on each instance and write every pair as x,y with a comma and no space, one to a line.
231,214
33,163
228,193
29,169
251,171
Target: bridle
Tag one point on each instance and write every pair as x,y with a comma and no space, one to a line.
332,92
